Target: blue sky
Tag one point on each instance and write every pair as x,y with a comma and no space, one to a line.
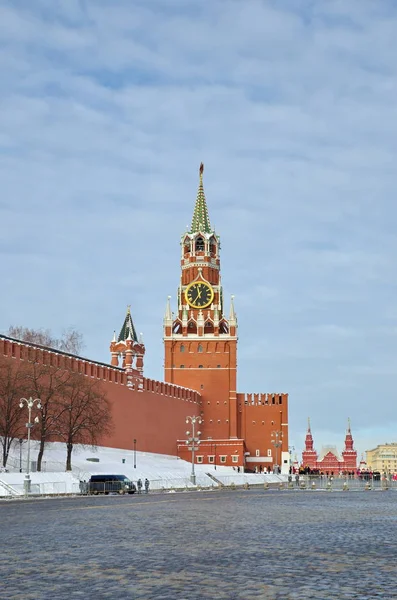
107,109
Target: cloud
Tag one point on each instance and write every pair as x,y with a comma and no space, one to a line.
107,111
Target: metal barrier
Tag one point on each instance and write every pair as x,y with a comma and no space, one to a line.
318,482
45,488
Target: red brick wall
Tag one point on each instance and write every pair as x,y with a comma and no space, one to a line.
152,412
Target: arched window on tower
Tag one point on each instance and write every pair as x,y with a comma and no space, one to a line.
212,247
177,327
200,348
223,327
186,247
192,327
208,327
182,348
200,246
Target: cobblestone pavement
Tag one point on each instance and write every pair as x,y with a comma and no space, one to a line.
242,544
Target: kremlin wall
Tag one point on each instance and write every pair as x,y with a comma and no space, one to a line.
244,430
151,412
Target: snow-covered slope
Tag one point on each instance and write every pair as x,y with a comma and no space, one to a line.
162,471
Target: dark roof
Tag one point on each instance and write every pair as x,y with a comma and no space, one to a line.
127,329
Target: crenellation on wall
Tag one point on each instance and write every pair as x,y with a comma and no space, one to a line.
115,375
171,390
262,399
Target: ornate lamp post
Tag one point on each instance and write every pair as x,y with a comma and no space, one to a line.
20,454
193,441
134,453
29,403
290,451
277,442
215,458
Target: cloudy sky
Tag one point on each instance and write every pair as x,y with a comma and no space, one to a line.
107,109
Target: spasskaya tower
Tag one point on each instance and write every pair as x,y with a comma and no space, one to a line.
200,343
201,351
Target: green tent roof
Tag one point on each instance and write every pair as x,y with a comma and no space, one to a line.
201,220
127,328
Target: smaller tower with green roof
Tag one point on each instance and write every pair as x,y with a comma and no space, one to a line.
128,346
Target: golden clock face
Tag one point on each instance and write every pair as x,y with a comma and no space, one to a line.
199,294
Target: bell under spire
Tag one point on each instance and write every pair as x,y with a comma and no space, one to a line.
201,221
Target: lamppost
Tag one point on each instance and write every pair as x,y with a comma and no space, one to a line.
290,451
277,442
193,441
29,403
20,454
134,453
215,458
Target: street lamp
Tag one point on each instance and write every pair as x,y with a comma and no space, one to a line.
215,458
193,441
29,403
277,442
134,453
20,454
290,451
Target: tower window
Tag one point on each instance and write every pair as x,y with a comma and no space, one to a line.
182,366
199,244
182,348
200,366
218,366
200,348
192,327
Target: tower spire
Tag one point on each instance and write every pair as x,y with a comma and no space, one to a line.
232,314
128,330
200,220
168,313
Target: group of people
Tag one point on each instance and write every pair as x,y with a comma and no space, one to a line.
139,485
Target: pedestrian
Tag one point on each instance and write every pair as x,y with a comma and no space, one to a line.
297,480
147,485
139,485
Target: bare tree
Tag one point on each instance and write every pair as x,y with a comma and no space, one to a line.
86,414
12,388
71,340
47,383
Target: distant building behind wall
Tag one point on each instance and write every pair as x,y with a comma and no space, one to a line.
383,458
329,460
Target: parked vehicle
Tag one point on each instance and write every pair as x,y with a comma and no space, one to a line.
105,484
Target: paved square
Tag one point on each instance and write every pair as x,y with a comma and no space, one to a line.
224,544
